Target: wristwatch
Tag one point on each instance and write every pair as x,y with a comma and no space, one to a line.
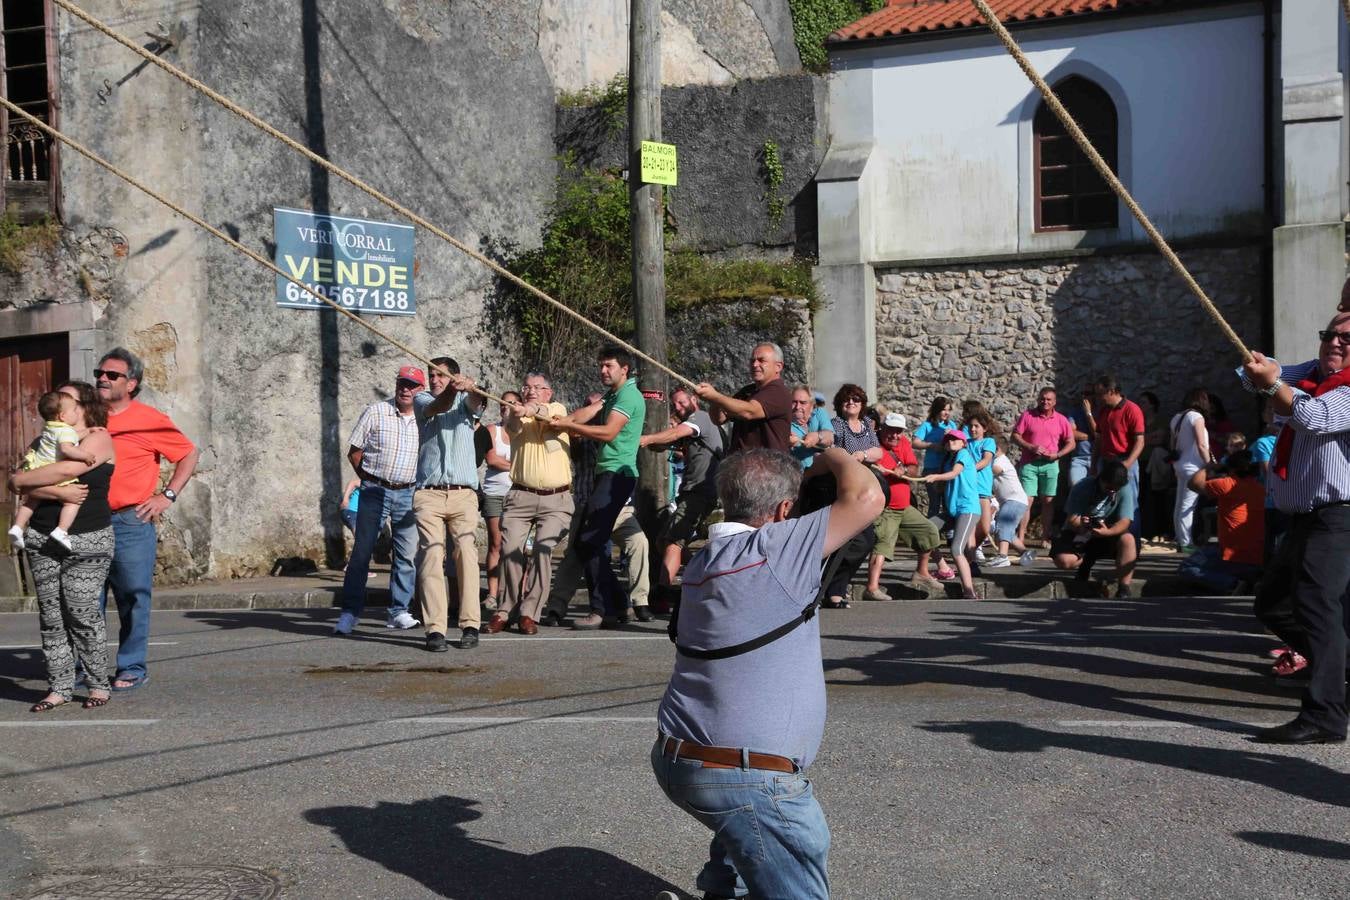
171,494
1272,390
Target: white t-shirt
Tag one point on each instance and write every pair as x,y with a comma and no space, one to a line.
1188,451
1007,483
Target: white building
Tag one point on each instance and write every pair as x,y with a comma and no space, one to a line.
951,196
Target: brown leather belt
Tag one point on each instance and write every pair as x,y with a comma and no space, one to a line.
445,487
725,757
386,484
542,492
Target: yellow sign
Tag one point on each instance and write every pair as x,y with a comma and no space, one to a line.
658,163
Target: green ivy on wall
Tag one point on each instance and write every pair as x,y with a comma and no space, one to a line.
771,168
815,20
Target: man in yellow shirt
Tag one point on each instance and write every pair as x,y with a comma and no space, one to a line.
540,497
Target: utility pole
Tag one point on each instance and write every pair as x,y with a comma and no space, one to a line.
648,264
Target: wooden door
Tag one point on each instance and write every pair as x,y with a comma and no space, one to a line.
29,367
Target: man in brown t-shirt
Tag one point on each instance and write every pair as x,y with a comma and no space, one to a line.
761,412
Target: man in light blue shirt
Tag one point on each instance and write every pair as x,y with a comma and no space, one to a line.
446,501
744,712
811,429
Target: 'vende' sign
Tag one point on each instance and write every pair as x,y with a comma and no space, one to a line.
365,266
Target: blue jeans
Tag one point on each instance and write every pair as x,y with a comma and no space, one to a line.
769,834
1079,468
377,503
1207,568
131,578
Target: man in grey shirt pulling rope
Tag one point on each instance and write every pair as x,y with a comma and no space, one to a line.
744,712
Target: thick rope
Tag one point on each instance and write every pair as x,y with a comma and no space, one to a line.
360,185
1105,171
210,229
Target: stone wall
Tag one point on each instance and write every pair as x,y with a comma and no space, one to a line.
1001,331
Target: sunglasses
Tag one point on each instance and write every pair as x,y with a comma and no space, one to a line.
408,384
109,374
1342,336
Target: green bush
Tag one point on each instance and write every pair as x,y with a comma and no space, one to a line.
583,261
17,239
815,20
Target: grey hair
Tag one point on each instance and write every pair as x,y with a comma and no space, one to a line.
777,350
537,374
135,368
752,483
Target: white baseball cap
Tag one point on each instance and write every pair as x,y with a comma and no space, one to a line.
894,420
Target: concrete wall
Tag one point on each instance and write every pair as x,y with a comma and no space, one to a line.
948,126
585,42
270,395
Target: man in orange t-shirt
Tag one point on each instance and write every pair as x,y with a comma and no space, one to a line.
1242,527
141,435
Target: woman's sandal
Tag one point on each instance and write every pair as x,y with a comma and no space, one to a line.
46,706
92,702
835,603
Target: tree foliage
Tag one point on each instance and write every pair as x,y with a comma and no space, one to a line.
815,20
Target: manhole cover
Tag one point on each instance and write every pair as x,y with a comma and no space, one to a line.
169,883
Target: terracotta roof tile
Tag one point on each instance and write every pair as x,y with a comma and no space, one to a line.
903,17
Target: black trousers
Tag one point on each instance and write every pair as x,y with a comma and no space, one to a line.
1302,599
844,563
608,496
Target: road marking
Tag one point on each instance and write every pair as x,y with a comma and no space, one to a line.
511,720
1115,635
109,644
89,723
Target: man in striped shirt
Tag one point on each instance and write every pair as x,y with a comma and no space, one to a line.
1309,481
383,452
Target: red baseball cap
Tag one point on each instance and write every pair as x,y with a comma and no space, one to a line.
413,374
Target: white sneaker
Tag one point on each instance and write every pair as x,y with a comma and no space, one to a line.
979,555
59,535
403,620
345,623
16,537
1000,562
1028,558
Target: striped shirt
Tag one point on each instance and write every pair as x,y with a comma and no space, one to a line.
1319,463
389,442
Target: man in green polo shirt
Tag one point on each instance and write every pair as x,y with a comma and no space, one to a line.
620,413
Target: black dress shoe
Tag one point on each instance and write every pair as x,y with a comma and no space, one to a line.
436,642
469,639
642,613
1297,732
552,618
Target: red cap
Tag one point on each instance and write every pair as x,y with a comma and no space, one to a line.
412,373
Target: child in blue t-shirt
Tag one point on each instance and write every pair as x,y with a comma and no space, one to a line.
984,448
962,502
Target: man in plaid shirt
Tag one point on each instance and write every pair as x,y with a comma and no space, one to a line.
383,452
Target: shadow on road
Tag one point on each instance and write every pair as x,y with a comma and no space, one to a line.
1321,848
1089,654
425,841
1293,775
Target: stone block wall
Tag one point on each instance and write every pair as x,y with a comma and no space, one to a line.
999,332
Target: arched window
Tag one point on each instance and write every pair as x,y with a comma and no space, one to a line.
1070,195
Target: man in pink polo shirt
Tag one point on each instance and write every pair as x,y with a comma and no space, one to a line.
1045,437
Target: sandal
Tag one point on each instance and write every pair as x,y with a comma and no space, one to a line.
46,706
92,702
835,603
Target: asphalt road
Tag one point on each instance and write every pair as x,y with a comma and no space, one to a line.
975,749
